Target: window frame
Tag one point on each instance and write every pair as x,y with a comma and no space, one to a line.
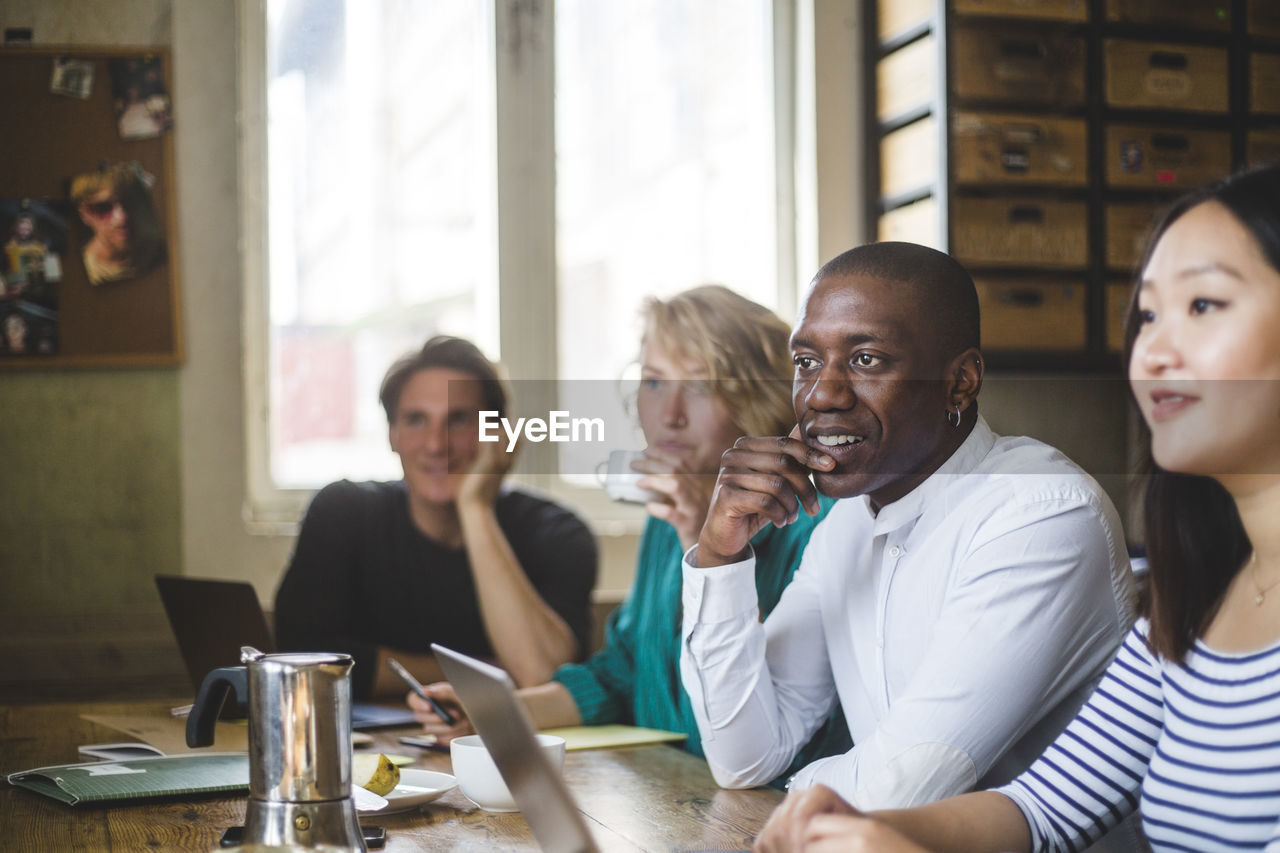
808,36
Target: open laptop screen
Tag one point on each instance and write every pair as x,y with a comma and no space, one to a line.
488,696
212,619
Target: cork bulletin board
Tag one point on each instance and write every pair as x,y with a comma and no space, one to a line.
88,269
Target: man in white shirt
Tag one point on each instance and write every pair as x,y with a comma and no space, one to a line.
960,603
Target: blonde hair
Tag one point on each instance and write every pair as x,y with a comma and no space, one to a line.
114,176
744,348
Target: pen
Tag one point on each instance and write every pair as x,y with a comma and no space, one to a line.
408,679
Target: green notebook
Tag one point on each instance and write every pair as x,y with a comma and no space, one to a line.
139,778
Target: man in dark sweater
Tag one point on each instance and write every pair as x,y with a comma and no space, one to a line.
445,555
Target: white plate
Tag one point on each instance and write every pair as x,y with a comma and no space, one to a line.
416,788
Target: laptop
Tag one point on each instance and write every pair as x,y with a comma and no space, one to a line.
488,695
212,619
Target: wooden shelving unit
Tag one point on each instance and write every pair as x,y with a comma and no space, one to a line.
1035,139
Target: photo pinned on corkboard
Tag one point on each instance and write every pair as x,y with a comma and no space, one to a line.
107,292
35,239
140,97
72,77
124,238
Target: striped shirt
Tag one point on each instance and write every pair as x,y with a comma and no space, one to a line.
1195,747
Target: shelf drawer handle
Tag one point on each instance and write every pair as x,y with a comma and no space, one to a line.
1024,134
1026,215
1170,141
1021,297
1170,61
1022,49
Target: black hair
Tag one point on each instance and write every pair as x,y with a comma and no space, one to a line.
1195,540
952,299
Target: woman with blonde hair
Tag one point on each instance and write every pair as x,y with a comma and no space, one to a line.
1183,726
714,366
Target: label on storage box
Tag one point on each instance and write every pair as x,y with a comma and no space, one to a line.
1015,158
1167,85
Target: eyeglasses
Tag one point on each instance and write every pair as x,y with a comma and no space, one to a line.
103,208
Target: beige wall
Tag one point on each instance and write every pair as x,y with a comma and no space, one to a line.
90,497
112,476
1084,416
172,439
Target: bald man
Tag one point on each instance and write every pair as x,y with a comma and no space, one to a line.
961,598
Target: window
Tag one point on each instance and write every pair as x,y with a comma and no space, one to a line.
664,164
414,184
379,214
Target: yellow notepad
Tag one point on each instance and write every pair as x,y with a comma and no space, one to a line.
603,737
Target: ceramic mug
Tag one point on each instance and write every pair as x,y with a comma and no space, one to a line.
619,480
478,776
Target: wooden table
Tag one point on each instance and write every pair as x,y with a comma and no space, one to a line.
646,798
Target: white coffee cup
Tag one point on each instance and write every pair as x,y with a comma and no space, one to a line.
619,480
478,776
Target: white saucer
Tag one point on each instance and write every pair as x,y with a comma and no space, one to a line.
416,788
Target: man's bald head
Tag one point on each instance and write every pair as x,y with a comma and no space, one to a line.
948,299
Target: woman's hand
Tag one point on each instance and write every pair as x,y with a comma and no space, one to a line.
818,820
432,724
685,494
832,833
788,826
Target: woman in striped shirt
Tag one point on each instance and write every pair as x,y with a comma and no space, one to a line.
1185,725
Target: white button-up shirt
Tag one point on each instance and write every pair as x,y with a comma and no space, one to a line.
960,628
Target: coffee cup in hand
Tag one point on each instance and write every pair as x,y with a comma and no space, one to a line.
479,778
619,480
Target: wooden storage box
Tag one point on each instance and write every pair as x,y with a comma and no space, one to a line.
1045,10
1263,147
1015,66
1020,232
1126,226
992,148
1264,18
1032,314
1176,158
1195,15
1117,309
1264,82
909,158
917,222
1166,76
906,79
896,18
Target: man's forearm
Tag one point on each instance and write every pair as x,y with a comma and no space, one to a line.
529,638
722,665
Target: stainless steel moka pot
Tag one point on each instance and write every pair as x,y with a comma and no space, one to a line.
299,745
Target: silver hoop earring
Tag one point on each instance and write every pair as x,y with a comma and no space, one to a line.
956,422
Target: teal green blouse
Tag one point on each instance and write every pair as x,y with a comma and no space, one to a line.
635,678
